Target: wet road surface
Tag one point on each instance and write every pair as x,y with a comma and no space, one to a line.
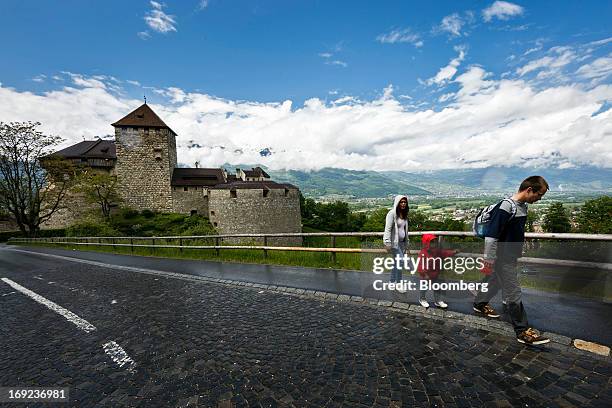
207,344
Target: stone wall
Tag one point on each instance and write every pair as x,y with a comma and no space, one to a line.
249,212
146,158
195,198
73,209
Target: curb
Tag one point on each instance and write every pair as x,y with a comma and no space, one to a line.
557,341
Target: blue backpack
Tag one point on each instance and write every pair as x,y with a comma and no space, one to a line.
482,221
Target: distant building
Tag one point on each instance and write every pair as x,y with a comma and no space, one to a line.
143,157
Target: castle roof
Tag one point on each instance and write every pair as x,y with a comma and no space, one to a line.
256,172
143,116
197,177
89,149
269,185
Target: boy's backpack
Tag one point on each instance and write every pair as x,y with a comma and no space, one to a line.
483,219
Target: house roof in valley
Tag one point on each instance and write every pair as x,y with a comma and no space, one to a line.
143,116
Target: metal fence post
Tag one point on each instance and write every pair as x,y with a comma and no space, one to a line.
132,244
181,245
217,245
265,251
152,246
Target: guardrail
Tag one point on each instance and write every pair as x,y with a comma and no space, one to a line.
332,249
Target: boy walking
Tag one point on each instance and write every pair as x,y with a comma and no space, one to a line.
503,246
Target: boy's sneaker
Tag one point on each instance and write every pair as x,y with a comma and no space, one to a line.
424,303
486,310
441,304
531,337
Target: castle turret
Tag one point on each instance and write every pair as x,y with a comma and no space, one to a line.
146,158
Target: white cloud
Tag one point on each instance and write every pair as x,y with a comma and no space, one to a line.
202,4
489,122
601,42
502,10
325,54
39,78
401,36
558,57
452,24
447,73
598,69
159,21
143,35
337,62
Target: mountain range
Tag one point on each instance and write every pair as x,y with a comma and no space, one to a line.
365,184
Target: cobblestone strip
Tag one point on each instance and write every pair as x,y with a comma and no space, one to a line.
558,341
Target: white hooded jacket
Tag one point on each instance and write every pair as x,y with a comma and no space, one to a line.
391,235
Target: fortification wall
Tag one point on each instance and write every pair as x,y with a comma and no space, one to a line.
194,199
146,158
249,212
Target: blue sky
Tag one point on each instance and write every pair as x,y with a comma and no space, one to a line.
305,62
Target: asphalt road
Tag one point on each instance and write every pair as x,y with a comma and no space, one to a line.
120,338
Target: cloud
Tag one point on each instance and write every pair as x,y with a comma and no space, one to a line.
447,73
487,122
39,78
337,62
202,4
159,21
327,56
452,24
401,36
143,35
598,69
502,10
558,57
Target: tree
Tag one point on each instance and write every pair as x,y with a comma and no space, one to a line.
101,189
30,190
531,218
595,217
556,219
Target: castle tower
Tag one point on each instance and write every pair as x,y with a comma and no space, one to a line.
146,158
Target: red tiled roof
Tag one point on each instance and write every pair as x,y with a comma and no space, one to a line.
143,116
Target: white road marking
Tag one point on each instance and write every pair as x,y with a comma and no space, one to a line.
71,317
10,293
114,350
119,356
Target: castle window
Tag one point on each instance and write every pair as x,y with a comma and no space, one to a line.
212,212
185,188
194,212
286,192
214,224
233,194
266,192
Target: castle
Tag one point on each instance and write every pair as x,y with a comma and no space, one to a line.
143,157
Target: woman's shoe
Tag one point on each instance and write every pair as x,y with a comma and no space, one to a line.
441,304
424,303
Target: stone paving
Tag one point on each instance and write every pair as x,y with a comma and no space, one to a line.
214,345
